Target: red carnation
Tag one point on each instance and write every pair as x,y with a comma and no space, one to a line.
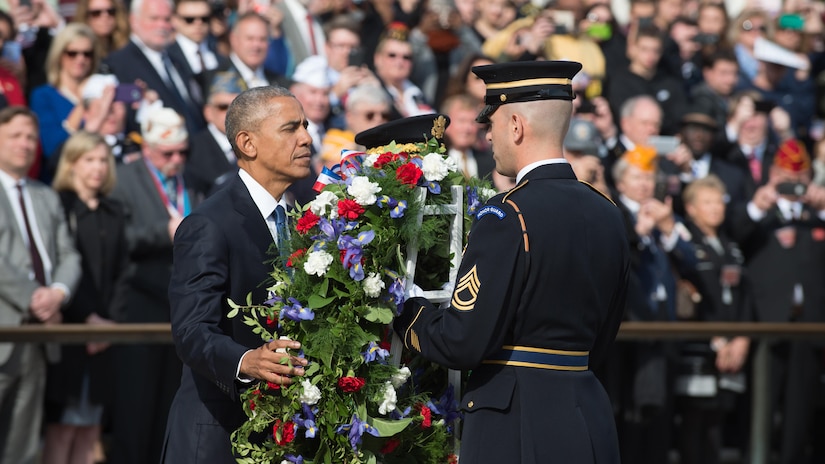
287,433
290,262
427,422
251,405
408,174
351,384
349,209
307,222
452,459
383,159
273,386
390,446
271,322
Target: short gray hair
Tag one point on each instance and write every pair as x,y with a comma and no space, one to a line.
367,94
249,109
629,106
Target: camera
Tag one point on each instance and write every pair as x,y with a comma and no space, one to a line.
791,188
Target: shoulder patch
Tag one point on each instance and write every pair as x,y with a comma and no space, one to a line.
489,209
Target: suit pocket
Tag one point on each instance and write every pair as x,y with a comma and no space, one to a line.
489,389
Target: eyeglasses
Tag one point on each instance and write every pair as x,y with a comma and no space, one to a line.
169,154
75,53
98,13
192,19
372,115
393,56
749,26
220,106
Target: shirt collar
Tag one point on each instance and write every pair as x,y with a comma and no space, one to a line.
265,202
632,205
9,182
187,45
526,169
220,138
247,73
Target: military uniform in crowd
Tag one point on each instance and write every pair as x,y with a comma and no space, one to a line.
539,298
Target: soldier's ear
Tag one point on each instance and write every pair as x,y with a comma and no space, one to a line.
517,127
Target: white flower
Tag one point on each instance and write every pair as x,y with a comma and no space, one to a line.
311,394
486,193
363,191
389,401
434,167
400,377
373,285
451,164
317,263
370,160
324,200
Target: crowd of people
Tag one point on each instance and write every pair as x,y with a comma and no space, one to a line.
703,120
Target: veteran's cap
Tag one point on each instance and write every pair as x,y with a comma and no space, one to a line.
416,129
226,82
642,157
583,137
522,81
792,156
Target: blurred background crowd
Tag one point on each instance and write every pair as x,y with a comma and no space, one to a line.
703,120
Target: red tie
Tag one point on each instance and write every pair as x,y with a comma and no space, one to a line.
310,24
37,261
755,165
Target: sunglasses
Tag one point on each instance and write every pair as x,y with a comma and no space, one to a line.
75,53
221,106
371,115
98,13
748,26
398,55
192,19
169,154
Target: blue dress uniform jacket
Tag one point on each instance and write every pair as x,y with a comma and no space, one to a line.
541,284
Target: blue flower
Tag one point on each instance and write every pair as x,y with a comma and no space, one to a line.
446,405
355,430
397,414
354,252
396,207
473,202
307,421
434,187
296,312
375,352
272,298
294,459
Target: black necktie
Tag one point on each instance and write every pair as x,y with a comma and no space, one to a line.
37,261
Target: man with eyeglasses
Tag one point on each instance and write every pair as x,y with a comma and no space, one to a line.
212,161
393,61
191,50
155,199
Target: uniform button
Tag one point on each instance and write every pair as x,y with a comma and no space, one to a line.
470,404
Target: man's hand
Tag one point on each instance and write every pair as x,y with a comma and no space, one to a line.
744,110
99,109
46,302
93,348
661,213
681,157
267,363
815,197
731,356
765,197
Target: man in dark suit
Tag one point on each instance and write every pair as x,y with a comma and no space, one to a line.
211,159
144,59
249,42
522,315
782,234
462,135
640,118
220,252
156,200
39,269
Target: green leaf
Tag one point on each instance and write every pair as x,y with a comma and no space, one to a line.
249,299
235,308
380,315
324,288
317,302
388,428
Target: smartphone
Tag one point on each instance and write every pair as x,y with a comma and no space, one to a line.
791,188
663,144
11,51
356,57
645,22
27,3
764,106
128,93
565,21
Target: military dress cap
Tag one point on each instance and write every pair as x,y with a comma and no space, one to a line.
522,81
415,129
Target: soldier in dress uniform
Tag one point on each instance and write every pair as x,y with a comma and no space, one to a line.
541,288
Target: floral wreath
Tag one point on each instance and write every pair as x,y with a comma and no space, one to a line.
336,290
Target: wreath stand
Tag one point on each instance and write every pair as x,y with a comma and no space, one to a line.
439,296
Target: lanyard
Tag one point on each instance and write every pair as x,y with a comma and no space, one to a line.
179,210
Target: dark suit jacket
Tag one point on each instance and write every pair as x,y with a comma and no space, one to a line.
147,235
207,162
528,258
202,79
130,64
220,251
271,77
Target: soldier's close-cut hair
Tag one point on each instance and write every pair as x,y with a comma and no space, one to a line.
249,109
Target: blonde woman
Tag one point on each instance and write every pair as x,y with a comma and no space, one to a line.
71,59
108,20
78,388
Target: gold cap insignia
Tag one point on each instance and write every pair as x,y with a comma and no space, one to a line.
439,125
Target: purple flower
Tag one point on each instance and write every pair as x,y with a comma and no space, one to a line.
272,299
473,201
446,405
354,252
434,187
294,459
307,421
355,430
396,290
396,207
375,352
397,414
296,311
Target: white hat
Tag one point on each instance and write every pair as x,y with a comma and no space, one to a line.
93,88
163,126
769,52
312,71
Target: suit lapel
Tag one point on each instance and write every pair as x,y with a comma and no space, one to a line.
5,206
252,221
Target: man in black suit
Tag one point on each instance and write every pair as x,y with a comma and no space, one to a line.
156,200
249,42
782,234
462,135
220,252
190,51
522,316
144,59
211,160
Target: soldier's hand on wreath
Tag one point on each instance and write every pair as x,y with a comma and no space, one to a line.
270,362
